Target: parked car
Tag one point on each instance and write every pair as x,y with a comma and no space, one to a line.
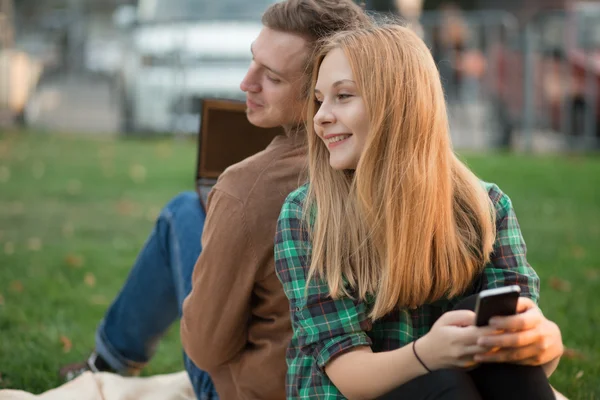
180,51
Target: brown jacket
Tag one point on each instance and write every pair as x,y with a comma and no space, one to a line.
235,322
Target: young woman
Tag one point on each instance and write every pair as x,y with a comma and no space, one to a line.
391,234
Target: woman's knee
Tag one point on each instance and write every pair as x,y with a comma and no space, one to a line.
444,384
526,382
454,384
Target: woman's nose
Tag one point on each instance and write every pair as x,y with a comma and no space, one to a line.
324,116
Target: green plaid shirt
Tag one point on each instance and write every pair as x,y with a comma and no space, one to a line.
324,328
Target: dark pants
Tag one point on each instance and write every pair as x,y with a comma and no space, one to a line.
486,382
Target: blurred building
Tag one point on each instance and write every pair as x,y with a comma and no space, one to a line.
521,8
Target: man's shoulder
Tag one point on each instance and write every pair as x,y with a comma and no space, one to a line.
275,169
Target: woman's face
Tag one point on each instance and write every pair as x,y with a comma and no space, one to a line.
341,120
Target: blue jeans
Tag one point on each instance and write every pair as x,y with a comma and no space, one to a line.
152,297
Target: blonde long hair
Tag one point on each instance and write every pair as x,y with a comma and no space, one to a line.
412,224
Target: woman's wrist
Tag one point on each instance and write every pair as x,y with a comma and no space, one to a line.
424,356
419,359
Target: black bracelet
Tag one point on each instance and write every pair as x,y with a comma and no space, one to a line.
419,358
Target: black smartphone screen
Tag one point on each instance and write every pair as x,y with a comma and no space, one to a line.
501,304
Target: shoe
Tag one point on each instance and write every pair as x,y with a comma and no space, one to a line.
94,363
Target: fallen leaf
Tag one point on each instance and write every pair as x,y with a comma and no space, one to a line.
138,212
23,155
74,260
4,149
578,252
106,152
579,375
164,151
592,274
559,284
108,169
16,286
66,343
34,244
6,382
9,248
572,354
17,208
137,173
90,279
1,300
152,214
68,229
38,169
74,187
548,208
126,207
99,300
119,244
4,174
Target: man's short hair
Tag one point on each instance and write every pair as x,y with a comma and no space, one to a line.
315,20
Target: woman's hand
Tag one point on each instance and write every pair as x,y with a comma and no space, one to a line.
527,338
453,341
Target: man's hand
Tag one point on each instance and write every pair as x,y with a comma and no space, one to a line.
527,338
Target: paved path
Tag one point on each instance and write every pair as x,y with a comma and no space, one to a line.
75,104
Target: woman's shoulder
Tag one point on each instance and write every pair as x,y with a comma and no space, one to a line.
499,199
298,196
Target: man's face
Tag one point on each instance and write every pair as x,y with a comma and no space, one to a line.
275,79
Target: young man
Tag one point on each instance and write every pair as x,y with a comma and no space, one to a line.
235,324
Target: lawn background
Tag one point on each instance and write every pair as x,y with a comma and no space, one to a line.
74,211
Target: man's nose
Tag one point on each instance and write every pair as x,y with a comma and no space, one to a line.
250,83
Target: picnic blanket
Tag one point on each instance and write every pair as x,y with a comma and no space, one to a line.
107,386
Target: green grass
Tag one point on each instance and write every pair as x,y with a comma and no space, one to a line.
74,211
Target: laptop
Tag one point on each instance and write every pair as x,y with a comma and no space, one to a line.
226,138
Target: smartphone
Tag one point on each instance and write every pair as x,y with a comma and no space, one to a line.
496,302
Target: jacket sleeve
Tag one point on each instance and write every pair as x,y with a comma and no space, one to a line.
214,325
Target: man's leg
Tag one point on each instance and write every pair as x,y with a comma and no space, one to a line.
152,296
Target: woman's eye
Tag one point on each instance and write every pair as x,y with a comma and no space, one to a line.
318,102
274,80
343,96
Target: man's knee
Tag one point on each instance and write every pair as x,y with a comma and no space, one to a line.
183,202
